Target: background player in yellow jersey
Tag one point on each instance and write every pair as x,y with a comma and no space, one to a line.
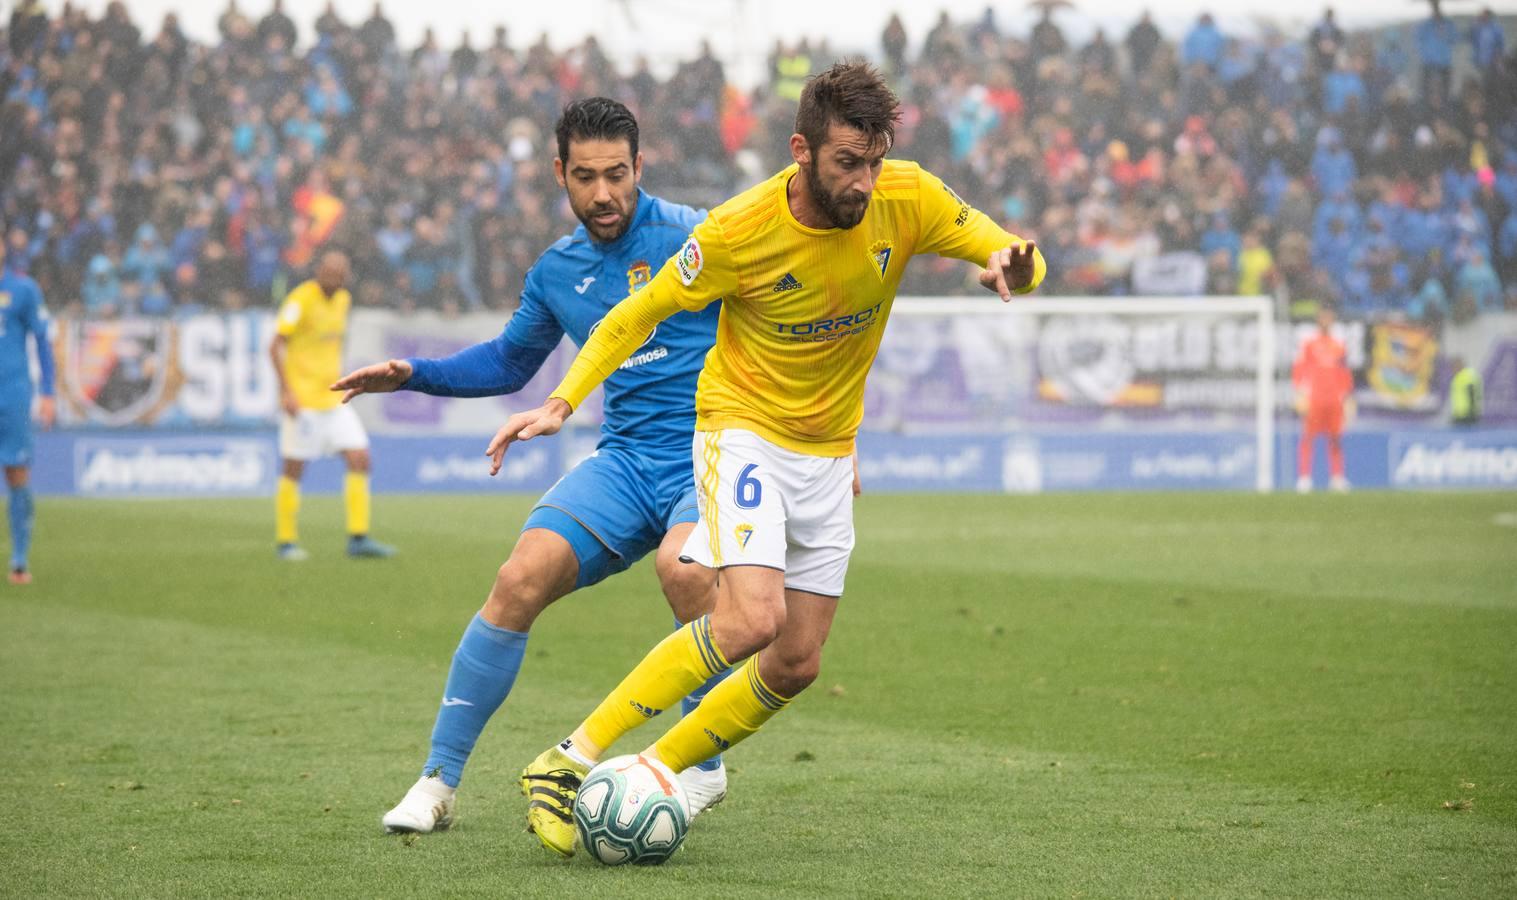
307,355
807,265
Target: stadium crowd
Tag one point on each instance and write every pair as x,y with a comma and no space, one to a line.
155,175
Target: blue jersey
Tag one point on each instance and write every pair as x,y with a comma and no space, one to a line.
650,400
22,315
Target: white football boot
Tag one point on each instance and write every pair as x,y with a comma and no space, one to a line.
427,807
1304,484
704,789
1340,485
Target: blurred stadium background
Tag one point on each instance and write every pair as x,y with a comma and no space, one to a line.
166,189
1114,694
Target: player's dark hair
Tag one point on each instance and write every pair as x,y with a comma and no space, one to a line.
851,93
595,118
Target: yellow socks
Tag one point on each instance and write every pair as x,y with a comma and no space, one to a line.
734,709
681,662
355,496
286,510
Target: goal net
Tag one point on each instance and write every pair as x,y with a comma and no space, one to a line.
1072,393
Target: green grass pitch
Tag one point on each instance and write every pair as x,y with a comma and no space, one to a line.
1063,696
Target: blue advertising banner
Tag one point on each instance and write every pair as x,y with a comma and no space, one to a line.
157,464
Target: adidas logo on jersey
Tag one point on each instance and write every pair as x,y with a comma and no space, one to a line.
788,283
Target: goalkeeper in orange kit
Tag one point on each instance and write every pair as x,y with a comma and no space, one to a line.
1324,400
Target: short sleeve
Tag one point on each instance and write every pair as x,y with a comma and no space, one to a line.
953,228
700,272
290,314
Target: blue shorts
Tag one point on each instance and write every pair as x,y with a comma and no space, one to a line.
616,506
16,434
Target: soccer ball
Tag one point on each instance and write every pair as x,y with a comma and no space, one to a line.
631,809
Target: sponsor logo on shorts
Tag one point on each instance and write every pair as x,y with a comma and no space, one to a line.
744,532
689,261
832,329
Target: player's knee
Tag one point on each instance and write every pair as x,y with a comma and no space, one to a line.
517,596
690,588
794,670
750,629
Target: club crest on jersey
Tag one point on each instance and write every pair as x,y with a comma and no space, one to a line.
879,251
689,261
638,275
743,532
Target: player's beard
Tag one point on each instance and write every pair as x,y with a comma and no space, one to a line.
601,233
845,209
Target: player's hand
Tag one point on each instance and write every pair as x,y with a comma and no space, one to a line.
288,403
524,426
1300,403
858,483
1011,269
1350,411
47,411
380,378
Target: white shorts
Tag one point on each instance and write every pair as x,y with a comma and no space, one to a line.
764,505
321,432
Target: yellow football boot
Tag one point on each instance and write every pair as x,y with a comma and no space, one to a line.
551,782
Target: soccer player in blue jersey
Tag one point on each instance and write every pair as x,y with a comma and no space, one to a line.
21,314
633,496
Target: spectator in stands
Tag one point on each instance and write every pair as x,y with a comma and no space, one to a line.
1436,37
1256,265
1506,249
1203,44
147,261
264,149
1047,38
101,290
1488,42
277,25
1142,42
1324,43
1476,287
893,43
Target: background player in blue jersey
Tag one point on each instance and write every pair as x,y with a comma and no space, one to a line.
634,495
22,314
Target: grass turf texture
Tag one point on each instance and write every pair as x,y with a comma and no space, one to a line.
1057,696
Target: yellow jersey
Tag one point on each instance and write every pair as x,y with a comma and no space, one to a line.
314,325
803,309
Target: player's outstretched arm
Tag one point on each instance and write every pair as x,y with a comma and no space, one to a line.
380,378
1013,270
488,369
524,426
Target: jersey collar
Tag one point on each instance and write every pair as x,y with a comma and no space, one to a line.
782,190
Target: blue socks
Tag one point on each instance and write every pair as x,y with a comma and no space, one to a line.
484,668
21,525
693,699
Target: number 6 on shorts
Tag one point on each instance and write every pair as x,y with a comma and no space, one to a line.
748,492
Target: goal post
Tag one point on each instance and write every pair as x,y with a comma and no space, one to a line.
1198,371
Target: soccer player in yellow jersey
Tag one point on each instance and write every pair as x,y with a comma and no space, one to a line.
307,355
807,265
